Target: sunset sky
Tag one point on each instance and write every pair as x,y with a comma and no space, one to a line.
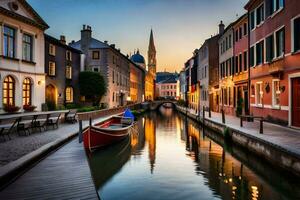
179,26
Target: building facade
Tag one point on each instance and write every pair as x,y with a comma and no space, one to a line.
22,73
226,65
62,66
110,62
168,88
274,42
240,71
182,85
137,83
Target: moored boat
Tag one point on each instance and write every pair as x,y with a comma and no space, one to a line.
107,132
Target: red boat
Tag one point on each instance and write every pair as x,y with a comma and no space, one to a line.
107,132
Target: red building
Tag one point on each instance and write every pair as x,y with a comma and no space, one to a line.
274,57
240,77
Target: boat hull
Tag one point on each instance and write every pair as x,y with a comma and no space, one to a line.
101,135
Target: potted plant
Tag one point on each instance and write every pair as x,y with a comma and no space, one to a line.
11,108
29,108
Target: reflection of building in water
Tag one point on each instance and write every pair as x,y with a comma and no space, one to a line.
150,137
227,177
167,119
138,138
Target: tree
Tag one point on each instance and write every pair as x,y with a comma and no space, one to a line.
93,86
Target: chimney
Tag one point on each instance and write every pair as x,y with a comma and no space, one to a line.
63,39
113,45
221,28
105,41
86,35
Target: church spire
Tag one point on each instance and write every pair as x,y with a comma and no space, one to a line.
151,42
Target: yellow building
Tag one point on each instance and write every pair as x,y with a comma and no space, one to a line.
151,72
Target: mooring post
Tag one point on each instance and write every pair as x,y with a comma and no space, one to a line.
223,116
90,121
203,114
261,128
80,136
209,112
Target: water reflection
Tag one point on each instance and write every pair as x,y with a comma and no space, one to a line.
170,157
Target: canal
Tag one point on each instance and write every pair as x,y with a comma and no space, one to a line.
171,157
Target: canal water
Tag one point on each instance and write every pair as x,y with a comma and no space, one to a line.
171,157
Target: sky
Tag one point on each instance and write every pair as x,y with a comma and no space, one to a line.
179,26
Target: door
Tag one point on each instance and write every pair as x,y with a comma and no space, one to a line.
246,104
50,97
296,102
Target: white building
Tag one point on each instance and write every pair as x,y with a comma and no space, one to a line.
182,83
22,74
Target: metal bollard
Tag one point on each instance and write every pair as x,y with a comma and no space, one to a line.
209,112
223,116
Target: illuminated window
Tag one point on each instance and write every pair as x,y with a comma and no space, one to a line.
9,91
96,55
259,94
52,49
51,70
68,72
276,93
26,91
69,55
69,95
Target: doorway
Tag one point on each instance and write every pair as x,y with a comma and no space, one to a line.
296,102
50,97
246,102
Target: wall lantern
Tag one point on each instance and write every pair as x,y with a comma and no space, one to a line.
41,82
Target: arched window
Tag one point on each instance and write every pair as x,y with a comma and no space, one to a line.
9,91
27,89
69,95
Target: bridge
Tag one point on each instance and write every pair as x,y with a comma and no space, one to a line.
156,104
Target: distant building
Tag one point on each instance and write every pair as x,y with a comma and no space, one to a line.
137,83
62,66
110,62
168,87
22,74
182,85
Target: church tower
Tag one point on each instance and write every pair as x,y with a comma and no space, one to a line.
152,56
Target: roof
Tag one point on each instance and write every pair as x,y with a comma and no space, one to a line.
38,22
138,58
58,42
169,80
94,44
163,76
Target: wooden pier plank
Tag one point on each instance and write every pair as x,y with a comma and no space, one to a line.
64,174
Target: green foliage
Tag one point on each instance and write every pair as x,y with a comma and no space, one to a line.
92,85
51,105
182,102
72,106
60,107
239,108
88,109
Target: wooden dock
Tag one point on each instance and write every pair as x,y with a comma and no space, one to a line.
65,174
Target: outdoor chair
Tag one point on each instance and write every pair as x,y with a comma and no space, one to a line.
7,129
40,122
53,120
25,124
71,116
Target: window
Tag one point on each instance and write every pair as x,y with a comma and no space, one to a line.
240,32
259,52
69,55
68,72
260,14
296,34
280,43
226,41
245,29
240,63
276,93
27,47
113,96
9,91
96,55
236,35
52,49
224,46
26,91
236,64
258,94
113,76
252,56
69,95
52,70
245,61
9,42
269,48
252,20
230,45
276,5
96,69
